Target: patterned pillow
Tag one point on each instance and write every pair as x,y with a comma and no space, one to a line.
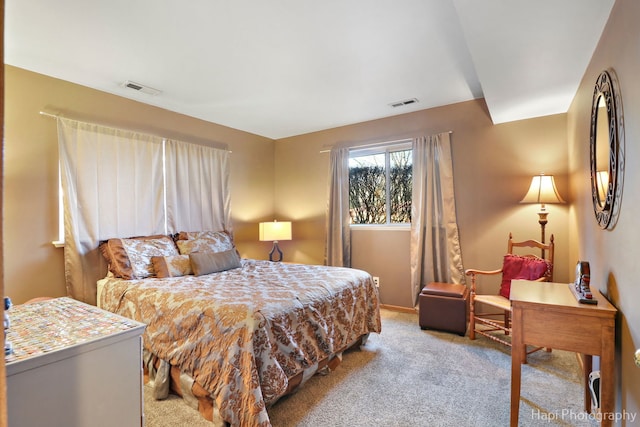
141,251
171,266
187,235
204,241
131,258
518,267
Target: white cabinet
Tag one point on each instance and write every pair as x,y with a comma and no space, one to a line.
73,364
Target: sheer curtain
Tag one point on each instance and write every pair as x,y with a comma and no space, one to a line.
197,187
119,183
435,242
112,183
338,245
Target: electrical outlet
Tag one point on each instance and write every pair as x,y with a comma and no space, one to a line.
376,281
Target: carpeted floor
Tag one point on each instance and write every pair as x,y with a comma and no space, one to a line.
409,377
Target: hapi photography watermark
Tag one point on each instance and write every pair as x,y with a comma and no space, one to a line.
571,415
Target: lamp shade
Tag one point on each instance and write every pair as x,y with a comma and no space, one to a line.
274,231
542,190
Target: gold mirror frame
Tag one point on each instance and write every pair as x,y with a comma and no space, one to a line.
606,174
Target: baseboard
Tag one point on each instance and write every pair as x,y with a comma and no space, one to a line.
399,308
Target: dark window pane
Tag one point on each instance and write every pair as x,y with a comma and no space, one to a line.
400,179
367,198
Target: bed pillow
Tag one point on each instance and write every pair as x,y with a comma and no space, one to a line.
519,267
204,241
188,235
131,258
140,252
213,262
171,266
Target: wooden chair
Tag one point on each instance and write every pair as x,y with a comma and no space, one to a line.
527,266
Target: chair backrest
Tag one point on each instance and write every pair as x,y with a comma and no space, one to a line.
546,252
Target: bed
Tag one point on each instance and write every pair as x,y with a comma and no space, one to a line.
234,335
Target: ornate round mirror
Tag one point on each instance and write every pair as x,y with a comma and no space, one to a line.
607,150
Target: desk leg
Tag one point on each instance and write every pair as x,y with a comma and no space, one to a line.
518,349
606,377
588,367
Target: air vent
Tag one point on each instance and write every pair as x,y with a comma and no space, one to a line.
141,88
403,103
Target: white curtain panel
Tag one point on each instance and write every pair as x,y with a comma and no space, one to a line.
338,245
112,184
197,179
435,242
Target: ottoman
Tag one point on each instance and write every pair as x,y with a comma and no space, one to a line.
444,307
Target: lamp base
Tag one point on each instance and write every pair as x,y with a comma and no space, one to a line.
275,250
543,222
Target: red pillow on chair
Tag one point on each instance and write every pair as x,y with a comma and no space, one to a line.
519,267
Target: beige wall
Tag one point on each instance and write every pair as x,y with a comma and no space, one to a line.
493,166
613,255
33,267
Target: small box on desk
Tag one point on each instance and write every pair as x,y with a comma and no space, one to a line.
444,307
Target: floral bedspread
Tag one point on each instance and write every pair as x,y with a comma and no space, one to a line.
242,333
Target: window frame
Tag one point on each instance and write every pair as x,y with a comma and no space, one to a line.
383,148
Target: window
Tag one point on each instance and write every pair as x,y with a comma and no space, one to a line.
380,185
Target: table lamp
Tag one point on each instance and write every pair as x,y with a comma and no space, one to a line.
275,231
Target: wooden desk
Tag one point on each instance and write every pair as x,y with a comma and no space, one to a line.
548,315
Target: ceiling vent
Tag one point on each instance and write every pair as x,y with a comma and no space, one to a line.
141,88
403,103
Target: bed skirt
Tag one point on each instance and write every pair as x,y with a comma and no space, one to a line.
164,379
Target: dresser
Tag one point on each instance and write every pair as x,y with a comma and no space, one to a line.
73,364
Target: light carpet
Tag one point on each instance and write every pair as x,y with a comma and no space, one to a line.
405,377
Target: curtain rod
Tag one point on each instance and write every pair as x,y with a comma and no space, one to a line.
374,144
55,116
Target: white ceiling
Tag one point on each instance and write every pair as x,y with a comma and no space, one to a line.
287,67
